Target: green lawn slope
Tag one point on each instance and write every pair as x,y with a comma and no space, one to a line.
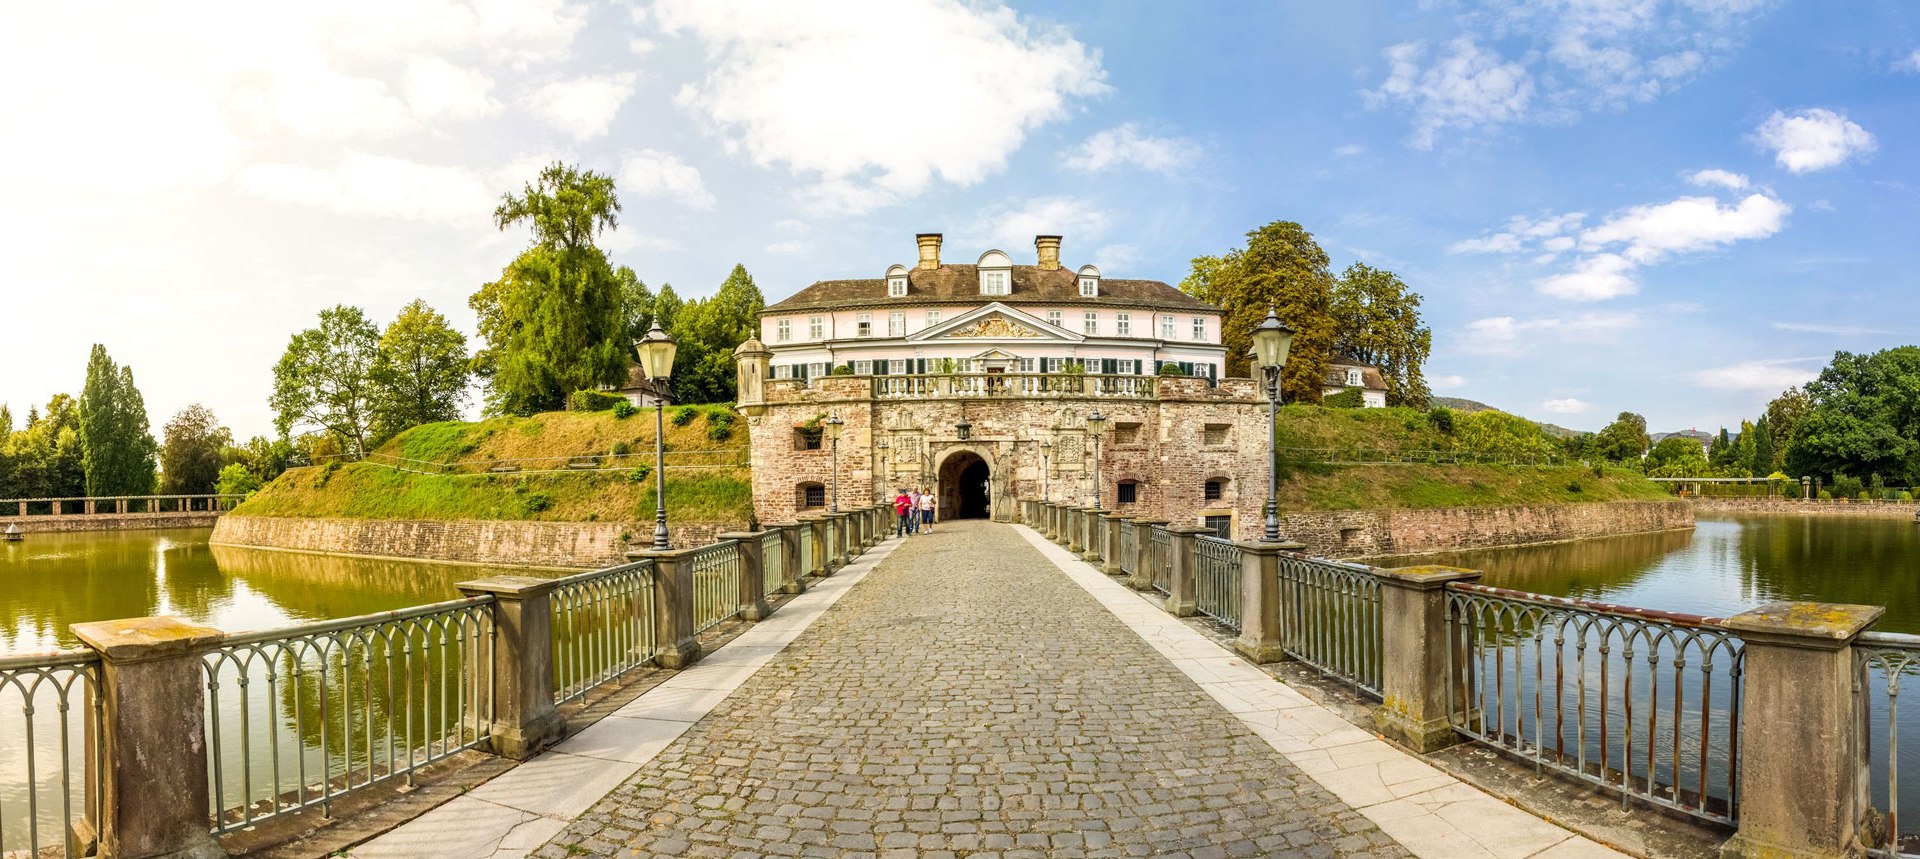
1310,484
713,437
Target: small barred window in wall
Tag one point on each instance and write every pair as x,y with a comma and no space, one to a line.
813,495
815,330
1215,435
863,325
1122,324
1127,492
1166,328
1056,318
933,318
1200,328
783,330
1222,526
1092,322
1214,490
896,324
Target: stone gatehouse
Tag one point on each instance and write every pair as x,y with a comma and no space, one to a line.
980,391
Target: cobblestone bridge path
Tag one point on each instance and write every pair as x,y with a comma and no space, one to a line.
969,699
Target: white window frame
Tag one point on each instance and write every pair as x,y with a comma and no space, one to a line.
782,371
993,283
816,328
1122,324
783,330
1353,378
1200,328
1026,365
896,287
1057,318
1089,287
816,369
896,324
1090,322
933,318
863,325
1166,328
863,368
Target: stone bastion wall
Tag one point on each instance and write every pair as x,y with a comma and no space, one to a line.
582,545
1363,533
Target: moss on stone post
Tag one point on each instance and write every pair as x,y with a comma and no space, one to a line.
1803,746
1413,655
524,717
792,578
153,792
1110,543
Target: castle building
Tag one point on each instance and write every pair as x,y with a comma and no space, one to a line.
978,381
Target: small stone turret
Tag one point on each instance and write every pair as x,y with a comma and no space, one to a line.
751,362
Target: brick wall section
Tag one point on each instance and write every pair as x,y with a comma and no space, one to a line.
109,521
1168,457
1359,533
586,545
1867,509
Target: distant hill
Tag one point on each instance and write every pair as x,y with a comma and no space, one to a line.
1696,435
1460,404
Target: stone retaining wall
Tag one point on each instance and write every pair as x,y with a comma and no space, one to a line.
109,521
1871,509
584,545
1361,533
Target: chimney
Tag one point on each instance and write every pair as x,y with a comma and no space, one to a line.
929,250
1049,248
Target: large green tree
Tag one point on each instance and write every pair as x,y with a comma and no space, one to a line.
1864,418
1624,440
707,330
116,446
1281,267
420,371
191,451
1377,319
324,380
1677,456
639,302
44,458
556,321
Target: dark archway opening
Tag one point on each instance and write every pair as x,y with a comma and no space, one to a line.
965,482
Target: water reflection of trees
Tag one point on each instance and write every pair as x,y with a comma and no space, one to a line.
334,586
1834,559
1574,569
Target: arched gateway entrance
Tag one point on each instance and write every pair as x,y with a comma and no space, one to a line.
965,486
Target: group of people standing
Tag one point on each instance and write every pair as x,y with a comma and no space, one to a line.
914,510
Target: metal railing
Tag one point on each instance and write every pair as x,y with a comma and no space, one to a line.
1159,558
297,717
773,562
1216,580
1412,456
117,505
940,386
1639,702
1129,542
49,713
806,548
603,627
716,584
1884,659
1330,618
589,462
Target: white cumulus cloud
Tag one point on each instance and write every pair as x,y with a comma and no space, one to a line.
378,186
1775,375
1125,145
583,107
1648,233
1506,335
651,173
1813,139
1465,87
1566,406
878,98
1012,228
1718,179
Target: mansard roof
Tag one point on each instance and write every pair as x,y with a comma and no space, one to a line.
960,284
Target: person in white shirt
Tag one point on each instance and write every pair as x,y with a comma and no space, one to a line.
926,511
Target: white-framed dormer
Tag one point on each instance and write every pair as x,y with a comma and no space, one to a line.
996,273
897,281
1089,282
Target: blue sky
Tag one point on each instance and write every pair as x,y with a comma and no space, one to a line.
1676,208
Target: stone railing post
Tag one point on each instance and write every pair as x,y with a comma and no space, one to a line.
524,718
1260,600
753,571
1094,540
1141,578
153,792
1110,543
822,538
1049,522
1413,655
841,531
1180,582
792,578
675,645
1803,745
1076,536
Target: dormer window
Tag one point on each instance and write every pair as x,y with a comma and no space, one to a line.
1089,282
996,273
1353,378
897,282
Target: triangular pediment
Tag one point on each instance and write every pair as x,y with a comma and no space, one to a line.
996,321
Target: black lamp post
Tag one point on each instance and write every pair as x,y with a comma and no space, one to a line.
1095,423
882,446
834,427
1271,340
656,358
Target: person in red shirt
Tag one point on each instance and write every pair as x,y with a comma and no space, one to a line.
902,508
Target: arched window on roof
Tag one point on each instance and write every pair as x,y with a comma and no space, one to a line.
897,281
1089,282
996,273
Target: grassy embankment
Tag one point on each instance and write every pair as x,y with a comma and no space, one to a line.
365,490
1309,485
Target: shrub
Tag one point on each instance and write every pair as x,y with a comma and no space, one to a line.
593,401
620,448
1826,495
720,426
235,479
1441,418
1351,398
534,502
625,409
1865,496
1171,369
1791,490
1904,496
1501,436
843,370
684,415
1574,487
640,473
1846,486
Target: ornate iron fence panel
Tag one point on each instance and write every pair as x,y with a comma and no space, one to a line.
1330,618
297,717
603,627
806,550
49,713
773,562
1885,660
1129,542
1160,558
1216,579
1642,703
716,584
